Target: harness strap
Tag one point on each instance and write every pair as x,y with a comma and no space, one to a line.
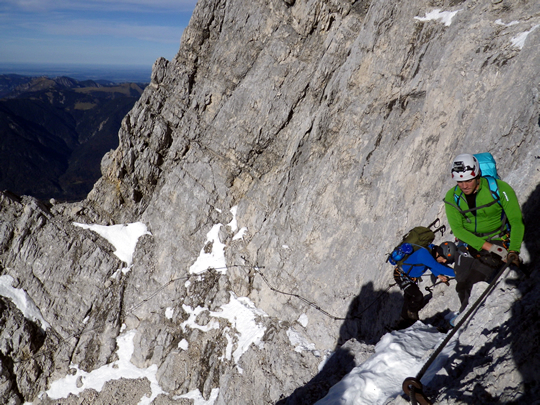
477,208
411,264
459,209
499,232
400,274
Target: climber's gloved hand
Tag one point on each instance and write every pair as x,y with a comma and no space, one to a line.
499,250
513,258
444,279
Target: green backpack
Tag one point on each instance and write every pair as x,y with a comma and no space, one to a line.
417,238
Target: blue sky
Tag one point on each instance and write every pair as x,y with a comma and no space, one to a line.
117,32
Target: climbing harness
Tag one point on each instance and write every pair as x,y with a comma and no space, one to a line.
412,385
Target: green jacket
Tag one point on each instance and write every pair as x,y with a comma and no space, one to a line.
475,230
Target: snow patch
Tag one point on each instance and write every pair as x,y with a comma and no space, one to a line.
191,321
123,237
500,22
96,379
303,320
234,223
519,40
184,344
242,315
197,397
240,234
22,301
213,259
299,342
444,16
398,355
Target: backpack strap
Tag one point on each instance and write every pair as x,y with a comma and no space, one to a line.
494,188
457,198
410,264
475,208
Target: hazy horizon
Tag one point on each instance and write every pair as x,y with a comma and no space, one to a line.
114,73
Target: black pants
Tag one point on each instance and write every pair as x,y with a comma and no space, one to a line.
413,297
472,266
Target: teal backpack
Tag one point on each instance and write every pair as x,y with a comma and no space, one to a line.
488,168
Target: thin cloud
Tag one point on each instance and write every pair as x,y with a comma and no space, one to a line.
143,6
153,33
101,31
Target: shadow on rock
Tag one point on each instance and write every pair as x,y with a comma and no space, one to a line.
363,323
525,331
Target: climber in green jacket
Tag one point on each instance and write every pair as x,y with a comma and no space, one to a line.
487,221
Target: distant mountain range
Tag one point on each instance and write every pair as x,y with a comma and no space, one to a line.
55,131
113,73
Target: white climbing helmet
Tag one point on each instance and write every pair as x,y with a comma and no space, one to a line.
465,167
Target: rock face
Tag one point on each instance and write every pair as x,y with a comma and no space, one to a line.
295,142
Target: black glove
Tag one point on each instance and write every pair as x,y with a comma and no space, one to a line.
513,258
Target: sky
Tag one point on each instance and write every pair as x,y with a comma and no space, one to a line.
97,32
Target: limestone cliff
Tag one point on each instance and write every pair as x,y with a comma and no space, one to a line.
300,140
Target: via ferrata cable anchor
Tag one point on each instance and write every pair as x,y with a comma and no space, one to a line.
414,389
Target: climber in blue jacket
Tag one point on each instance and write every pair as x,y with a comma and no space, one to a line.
436,259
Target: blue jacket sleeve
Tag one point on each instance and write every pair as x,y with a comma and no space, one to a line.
421,260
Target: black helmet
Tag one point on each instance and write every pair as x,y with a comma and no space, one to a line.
449,250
